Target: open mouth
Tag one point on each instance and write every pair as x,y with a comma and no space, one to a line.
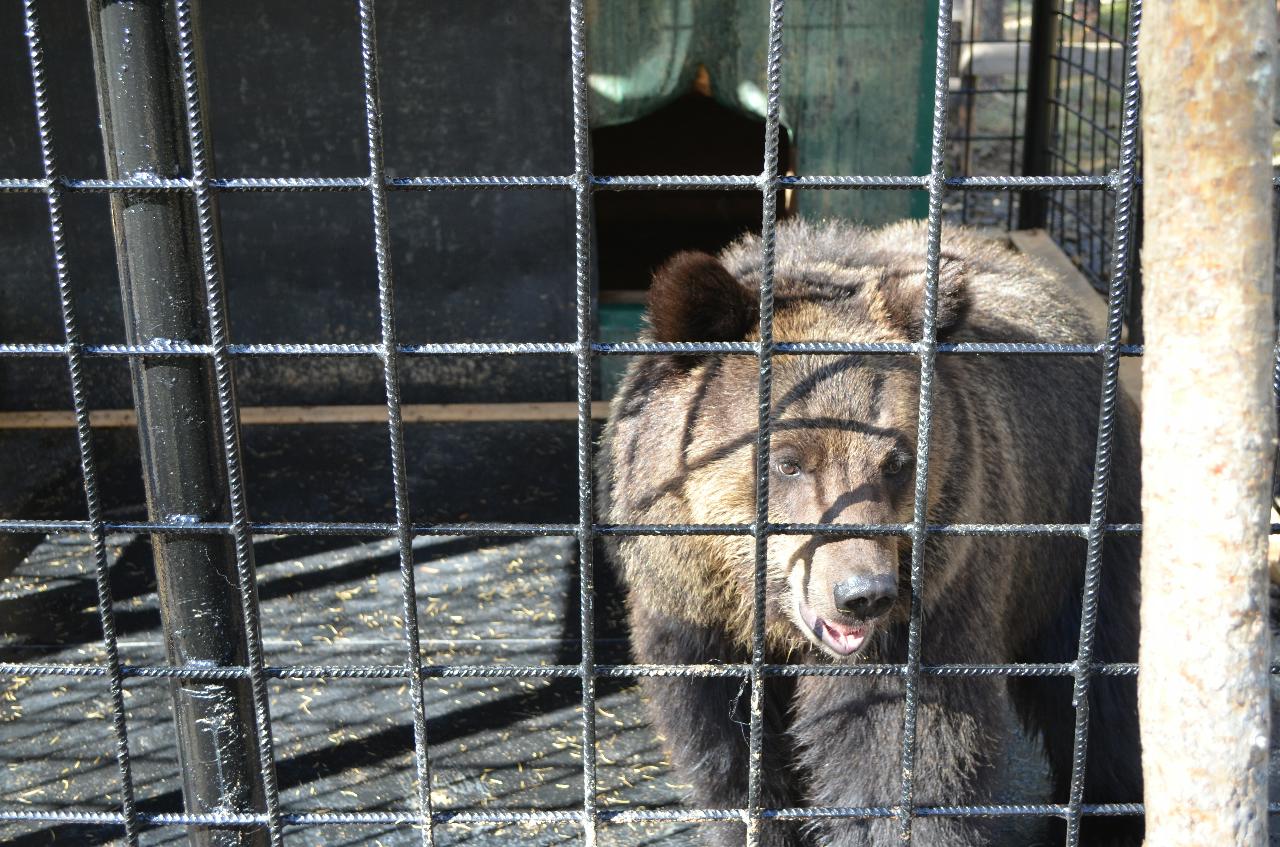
840,639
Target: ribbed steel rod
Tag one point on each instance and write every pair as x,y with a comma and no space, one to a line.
168,273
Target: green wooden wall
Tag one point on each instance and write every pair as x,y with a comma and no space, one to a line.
857,81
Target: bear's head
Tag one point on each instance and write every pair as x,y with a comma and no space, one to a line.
843,439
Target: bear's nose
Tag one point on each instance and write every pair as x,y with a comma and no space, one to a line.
866,597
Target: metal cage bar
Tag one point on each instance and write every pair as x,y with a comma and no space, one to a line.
928,358
381,530
189,60
560,671
768,183
584,327
84,434
663,182
574,815
389,355
628,348
1116,188
1107,413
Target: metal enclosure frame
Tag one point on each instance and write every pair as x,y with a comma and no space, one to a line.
196,192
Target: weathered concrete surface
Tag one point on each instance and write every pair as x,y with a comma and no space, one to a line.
346,745
1208,430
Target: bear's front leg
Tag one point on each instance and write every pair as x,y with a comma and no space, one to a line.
849,734
706,724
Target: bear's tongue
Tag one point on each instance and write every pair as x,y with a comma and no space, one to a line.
839,637
843,639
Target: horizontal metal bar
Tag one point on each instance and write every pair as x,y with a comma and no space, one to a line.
1030,183
663,182
275,184
480,182
34,350
377,530
520,348
995,811
346,529
135,185
406,818
677,182
24,186
663,815
162,348
861,348
503,671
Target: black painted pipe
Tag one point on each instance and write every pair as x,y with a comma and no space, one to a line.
158,255
1033,206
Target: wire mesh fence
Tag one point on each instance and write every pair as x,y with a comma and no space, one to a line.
1090,188
1069,126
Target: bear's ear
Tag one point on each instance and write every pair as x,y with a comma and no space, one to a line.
693,298
903,297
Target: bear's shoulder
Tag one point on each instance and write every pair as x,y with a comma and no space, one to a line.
1005,295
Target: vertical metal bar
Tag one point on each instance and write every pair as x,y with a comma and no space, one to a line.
1074,39
1125,178
969,82
1033,206
764,413
1133,317
1056,201
1206,500
928,350
160,279
395,427
1013,120
192,69
84,435
1097,201
585,334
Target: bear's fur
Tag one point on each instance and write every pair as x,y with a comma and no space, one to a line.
1012,441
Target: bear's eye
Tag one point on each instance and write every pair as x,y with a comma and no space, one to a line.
788,467
895,463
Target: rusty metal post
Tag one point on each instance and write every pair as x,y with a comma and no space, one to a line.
1208,430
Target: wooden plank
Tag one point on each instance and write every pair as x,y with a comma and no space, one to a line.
302,415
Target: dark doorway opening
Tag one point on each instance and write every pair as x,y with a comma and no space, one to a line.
637,230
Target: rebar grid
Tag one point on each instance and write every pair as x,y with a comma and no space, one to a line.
768,183
1087,108
204,188
1107,413
84,434
574,815
225,672
585,331
211,272
928,360
395,428
508,183
620,348
973,92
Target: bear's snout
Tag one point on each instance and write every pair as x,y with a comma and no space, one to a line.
865,597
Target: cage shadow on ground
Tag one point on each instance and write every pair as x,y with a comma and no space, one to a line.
342,745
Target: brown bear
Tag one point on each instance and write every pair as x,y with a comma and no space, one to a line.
1013,440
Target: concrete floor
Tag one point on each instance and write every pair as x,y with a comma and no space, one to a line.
341,745
346,745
